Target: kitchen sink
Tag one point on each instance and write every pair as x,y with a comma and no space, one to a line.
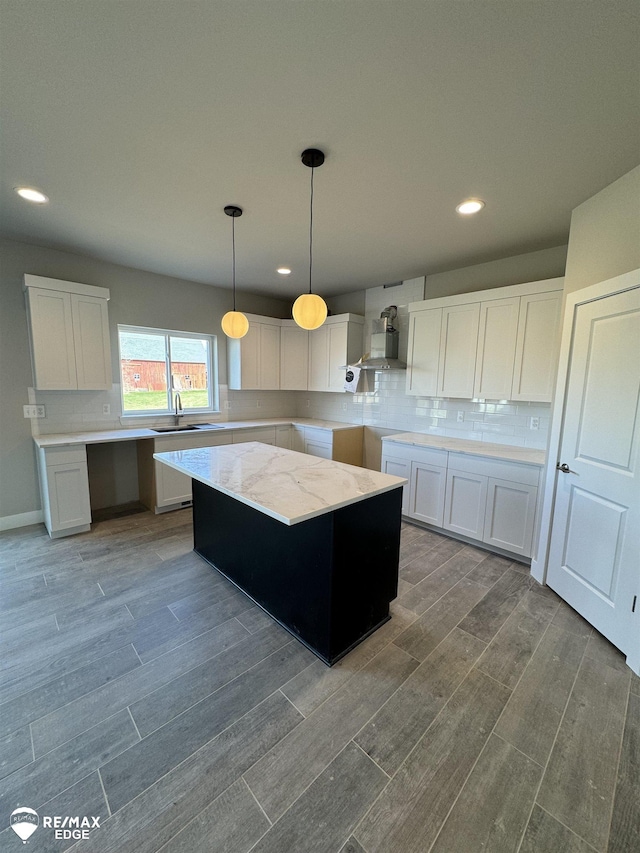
173,428
209,426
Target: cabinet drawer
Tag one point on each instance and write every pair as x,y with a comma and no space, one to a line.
266,435
498,468
415,453
187,442
317,448
324,436
65,455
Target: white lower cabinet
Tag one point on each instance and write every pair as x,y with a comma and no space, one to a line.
511,511
465,503
160,487
426,492
283,436
398,467
479,498
265,435
64,482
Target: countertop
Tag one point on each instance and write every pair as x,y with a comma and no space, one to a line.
102,437
527,455
288,486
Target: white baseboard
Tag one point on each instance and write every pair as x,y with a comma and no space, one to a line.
23,519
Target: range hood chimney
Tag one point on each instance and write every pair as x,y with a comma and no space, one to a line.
384,344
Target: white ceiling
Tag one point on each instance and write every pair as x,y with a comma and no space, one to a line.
142,119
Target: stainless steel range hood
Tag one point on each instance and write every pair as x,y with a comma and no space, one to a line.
384,344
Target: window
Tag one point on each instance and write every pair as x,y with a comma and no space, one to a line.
157,363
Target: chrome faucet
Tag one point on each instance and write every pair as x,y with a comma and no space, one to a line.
178,401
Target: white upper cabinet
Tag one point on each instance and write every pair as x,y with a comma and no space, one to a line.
294,356
279,354
336,343
254,361
424,350
537,347
69,335
479,345
496,348
458,340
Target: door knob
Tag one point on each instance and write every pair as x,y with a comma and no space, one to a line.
565,469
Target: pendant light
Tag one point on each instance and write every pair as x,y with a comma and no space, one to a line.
234,323
309,309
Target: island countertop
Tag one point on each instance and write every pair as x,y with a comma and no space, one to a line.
286,485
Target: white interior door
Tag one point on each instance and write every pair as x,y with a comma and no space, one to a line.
595,538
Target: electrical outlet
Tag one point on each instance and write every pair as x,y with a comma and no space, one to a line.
344,407
227,404
534,423
106,409
33,412
308,403
460,417
258,404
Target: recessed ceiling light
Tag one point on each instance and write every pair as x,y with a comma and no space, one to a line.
30,194
469,206
284,270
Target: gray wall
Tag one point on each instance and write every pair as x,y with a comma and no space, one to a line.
605,234
137,297
533,266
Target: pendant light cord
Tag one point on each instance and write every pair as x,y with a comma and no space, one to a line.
233,254
311,232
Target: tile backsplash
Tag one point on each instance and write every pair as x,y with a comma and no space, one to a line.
83,411
387,406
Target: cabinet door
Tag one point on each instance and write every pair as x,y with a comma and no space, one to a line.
52,346
458,344
424,352
294,358
269,357
465,503
68,494
337,355
510,513
426,494
319,359
398,467
250,357
496,348
297,438
537,347
283,437
172,487
91,338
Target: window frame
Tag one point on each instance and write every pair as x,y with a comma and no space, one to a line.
211,363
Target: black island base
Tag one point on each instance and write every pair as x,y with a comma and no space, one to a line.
328,580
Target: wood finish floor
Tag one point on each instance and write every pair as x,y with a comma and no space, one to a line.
140,686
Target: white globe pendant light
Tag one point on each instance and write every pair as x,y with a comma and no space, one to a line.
234,323
310,310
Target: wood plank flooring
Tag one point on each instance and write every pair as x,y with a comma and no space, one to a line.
138,685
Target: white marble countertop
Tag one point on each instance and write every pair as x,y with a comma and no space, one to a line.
527,455
104,436
288,486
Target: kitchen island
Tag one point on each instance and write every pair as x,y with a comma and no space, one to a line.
314,542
